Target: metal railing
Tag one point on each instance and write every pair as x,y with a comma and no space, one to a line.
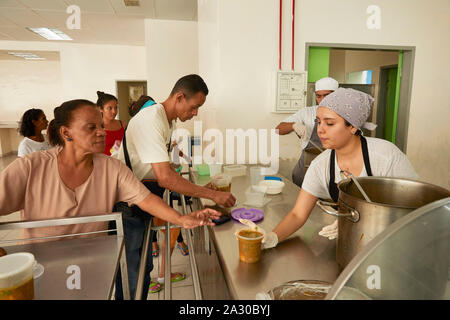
167,256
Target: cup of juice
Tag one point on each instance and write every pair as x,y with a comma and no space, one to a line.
249,245
16,276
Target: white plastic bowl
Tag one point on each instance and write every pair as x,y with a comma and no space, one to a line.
273,186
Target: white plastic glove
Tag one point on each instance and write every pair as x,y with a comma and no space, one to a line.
300,129
330,231
270,239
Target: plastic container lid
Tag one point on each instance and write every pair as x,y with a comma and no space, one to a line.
251,214
272,178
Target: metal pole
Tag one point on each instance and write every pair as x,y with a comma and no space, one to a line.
143,263
123,258
167,262
192,260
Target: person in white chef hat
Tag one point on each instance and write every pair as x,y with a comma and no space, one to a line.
304,126
340,117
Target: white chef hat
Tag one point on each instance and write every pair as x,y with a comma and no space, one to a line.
326,84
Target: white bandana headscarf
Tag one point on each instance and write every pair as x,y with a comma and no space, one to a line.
352,105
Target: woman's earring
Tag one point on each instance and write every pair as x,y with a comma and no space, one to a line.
68,139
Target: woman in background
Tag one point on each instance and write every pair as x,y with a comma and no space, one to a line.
114,128
31,125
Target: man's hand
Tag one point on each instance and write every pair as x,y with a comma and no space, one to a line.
199,218
300,130
211,186
225,199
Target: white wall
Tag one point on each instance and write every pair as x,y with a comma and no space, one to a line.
238,56
82,70
172,52
29,84
247,38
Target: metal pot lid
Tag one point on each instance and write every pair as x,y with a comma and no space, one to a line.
251,214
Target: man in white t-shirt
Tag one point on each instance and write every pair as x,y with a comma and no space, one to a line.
302,122
148,142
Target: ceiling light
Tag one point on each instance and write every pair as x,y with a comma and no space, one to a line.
50,34
26,55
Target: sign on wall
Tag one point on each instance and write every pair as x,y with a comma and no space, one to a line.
291,91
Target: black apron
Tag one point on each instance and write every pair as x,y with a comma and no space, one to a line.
298,173
332,186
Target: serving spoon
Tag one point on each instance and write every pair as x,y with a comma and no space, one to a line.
347,174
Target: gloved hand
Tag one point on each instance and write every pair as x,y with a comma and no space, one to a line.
330,232
270,239
300,129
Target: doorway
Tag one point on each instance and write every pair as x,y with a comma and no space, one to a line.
387,100
386,73
127,93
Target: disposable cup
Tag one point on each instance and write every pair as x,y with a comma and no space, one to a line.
255,175
222,182
16,276
249,245
215,168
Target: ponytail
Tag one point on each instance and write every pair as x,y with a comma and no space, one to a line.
103,98
136,106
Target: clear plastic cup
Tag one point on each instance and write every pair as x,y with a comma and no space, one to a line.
249,245
222,182
16,276
256,175
214,169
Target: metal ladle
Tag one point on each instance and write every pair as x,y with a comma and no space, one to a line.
346,173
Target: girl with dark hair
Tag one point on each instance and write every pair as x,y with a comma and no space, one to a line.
114,128
31,125
75,179
143,101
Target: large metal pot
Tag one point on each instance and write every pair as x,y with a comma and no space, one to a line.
359,221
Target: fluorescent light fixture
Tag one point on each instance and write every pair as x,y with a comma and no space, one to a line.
50,34
26,55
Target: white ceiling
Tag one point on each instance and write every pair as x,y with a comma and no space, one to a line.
102,21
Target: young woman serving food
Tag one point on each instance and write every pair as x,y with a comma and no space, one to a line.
340,117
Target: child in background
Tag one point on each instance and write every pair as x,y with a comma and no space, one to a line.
114,128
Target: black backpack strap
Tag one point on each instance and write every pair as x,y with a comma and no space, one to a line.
125,150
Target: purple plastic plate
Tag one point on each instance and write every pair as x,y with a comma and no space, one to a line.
251,214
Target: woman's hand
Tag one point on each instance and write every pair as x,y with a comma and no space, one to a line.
199,218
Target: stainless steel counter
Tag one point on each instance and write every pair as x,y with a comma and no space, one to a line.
97,259
303,256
